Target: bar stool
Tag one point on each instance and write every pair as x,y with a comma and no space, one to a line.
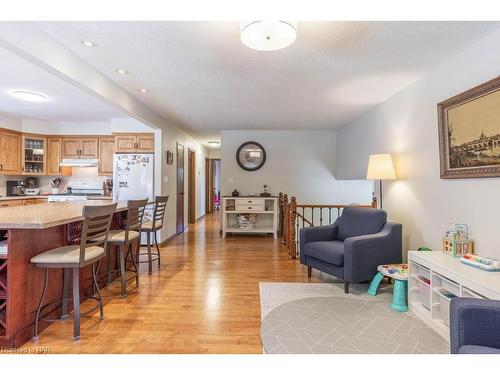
97,220
152,227
123,239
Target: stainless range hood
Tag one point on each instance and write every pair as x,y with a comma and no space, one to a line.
79,163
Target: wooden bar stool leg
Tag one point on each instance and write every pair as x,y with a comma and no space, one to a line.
136,269
150,259
157,249
76,304
39,308
64,312
123,278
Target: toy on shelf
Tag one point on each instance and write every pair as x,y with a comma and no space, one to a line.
486,264
457,242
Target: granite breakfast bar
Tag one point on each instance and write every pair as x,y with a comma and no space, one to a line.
30,231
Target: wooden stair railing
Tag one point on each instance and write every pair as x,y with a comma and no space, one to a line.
296,216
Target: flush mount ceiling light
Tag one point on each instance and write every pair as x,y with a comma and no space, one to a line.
121,71
89,43
268,35
144,91
28,96
213,143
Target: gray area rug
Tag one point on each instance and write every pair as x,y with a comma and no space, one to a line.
320,318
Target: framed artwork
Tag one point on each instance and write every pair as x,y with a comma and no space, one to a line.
170,157
469,133
251,156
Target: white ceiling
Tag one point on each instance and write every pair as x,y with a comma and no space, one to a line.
201,73
66,102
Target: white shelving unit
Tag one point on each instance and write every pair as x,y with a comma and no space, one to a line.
266,209
435,277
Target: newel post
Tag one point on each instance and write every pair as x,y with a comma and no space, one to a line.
285,219
280,215
292,246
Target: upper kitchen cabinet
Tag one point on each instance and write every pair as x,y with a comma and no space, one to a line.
54,156
80,148
10,153
135,142
34,155
106,152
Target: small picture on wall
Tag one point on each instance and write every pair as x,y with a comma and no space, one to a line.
469,133
170,157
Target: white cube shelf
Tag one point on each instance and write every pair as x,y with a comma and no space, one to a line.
434,277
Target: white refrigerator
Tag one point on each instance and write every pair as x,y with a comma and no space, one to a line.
133,178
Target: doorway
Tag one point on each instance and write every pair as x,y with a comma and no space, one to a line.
179,227
215,178
208,186
191,186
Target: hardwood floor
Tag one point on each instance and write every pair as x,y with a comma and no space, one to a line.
204,299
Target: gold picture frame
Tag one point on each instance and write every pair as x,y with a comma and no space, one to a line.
469,133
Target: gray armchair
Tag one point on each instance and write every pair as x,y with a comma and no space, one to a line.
351,248
474,326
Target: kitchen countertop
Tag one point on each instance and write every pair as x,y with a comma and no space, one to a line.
46,215
23,197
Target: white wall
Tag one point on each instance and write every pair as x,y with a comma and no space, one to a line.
300,163
170,137
406,126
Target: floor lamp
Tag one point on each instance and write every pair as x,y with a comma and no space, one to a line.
380,168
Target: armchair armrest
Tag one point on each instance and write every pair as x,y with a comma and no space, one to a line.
474,322
363,254
314,234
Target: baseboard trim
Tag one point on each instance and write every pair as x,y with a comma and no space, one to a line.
201,217
163,243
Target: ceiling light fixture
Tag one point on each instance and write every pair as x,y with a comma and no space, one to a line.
214,143
89,43
28,96
121,71
144,91
268,35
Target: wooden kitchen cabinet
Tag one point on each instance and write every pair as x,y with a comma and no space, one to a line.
106,152
80,148
135,142
11,203
54,156
34,155
10,152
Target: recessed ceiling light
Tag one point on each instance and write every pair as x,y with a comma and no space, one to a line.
121,71
144,90
28,96
89,43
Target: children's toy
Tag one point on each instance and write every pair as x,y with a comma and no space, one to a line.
398,272
457,242
483,263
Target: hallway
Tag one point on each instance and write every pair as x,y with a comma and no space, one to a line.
204,299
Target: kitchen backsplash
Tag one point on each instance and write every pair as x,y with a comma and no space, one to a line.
86,174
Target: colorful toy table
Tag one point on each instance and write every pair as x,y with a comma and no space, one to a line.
399,273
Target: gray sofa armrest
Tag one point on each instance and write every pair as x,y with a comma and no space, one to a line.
363,254
474,322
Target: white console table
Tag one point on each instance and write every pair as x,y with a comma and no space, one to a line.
266,209
433,276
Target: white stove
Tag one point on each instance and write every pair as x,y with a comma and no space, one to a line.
79,190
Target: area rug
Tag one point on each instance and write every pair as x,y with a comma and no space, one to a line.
320,318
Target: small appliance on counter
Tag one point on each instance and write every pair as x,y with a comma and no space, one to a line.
79,190
15,188
32,186
108,187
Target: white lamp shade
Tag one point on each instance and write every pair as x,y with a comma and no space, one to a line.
380,167
268,35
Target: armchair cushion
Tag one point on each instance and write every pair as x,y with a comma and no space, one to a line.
328,251
360,221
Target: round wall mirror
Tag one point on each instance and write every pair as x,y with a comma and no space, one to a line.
251,156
